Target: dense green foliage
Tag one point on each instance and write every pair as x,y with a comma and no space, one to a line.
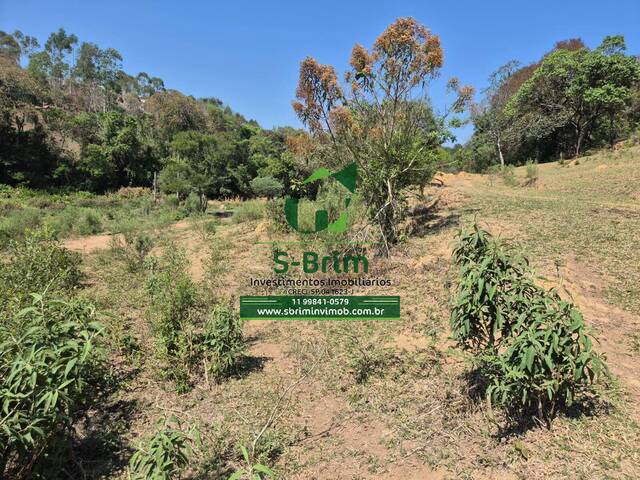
222,342
572,100
173,314
36,264
48,358
51,355
533,347
266,187
383,121
486,310
187,343
74,118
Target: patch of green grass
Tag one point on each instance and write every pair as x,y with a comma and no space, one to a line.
81,213
248,211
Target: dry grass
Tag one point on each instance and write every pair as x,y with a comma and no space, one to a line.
394,400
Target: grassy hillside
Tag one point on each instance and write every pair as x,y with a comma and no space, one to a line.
587,209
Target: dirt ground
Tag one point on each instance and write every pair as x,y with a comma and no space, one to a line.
335,429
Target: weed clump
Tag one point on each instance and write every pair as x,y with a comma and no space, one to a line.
531,177
248,211
133,248
172,314
165,454
222,342
186,343
508,174
37,263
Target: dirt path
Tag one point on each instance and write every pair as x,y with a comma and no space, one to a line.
94,243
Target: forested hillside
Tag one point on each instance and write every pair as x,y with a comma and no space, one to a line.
71,117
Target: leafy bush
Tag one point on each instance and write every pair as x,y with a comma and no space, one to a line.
133,248
223,343
174,304
15,222
266,187
49,356
490,294
274,211
35,264
210,227
248,211
534,347
194,204
164,455
532,174
508,173
89,223
548,363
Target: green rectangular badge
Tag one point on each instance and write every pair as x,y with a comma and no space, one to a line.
319,308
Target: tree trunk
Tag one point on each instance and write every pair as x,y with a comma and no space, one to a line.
579,141
612,138
500,154
155,187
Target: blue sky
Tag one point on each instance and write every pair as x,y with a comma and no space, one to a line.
247,53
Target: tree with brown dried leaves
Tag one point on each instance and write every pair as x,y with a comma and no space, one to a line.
384,121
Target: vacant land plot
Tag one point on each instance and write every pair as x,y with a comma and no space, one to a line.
387,399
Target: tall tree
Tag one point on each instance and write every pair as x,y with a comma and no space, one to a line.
383,122
58,47
9,47
577,87
489,117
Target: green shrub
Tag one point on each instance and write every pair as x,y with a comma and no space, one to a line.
508,173
266,187
89,223
49,358
215,266
548,363
490,293
172,201
194,204
16,222
533,347
133,249
222,342
76,220
164,455
274,211
174,306
248,211
207,229
37,263
532,174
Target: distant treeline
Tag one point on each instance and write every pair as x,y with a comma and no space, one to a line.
572,100
71,117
